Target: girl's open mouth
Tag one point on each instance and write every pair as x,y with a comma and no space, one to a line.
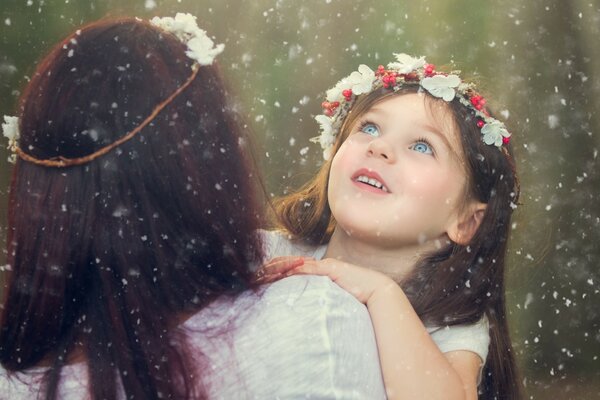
370,178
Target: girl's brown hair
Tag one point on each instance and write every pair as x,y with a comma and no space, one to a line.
457,284
107,257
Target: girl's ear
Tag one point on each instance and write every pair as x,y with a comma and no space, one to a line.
466,224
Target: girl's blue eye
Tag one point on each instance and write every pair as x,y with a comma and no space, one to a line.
422,147
370,129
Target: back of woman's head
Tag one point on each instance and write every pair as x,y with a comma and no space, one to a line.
107,254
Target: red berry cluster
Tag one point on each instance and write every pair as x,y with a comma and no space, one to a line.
478,102
429,70
388,78
347,94
329,108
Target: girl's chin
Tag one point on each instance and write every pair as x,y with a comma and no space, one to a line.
376,237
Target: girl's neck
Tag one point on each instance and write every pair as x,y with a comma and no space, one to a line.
396,262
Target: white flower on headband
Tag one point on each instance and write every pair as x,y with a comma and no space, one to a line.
201,48
359,82
493,133
10,130
327,138
441,86
406,63
362,80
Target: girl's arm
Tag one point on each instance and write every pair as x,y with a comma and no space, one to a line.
412,365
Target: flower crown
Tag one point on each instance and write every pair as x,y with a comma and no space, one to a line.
406,70
201,49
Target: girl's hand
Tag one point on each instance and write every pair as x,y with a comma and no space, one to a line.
277,268
362,283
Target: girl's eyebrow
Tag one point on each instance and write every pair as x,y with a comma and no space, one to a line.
376,110
437,132
443,138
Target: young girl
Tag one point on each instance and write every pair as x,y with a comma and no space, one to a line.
412,216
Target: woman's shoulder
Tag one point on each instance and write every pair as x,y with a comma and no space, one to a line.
297,298
470,337
16,386
28,384
313,295
279,243
304,330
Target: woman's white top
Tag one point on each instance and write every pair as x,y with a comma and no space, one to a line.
299,338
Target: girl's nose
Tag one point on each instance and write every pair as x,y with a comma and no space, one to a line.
381,149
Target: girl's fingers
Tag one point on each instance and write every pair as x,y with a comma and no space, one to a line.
267,278
282,264
281,267
311,267
280,261
275,268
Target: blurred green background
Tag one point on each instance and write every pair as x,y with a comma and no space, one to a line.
536,58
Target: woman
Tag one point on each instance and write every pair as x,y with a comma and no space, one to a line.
131,228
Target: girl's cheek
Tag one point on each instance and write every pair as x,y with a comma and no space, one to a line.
431,183
342,158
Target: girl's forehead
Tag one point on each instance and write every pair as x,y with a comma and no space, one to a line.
417,106
419,109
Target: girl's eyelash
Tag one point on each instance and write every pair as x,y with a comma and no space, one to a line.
365,123
422,139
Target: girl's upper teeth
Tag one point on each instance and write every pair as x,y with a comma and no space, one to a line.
372,182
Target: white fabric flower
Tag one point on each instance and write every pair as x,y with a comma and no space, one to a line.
201,48
326,124
327,153
10,130
441,86
362,80
335,93
327,138
406,63
493,132
359,82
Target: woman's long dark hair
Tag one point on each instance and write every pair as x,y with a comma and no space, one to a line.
108,257
457,284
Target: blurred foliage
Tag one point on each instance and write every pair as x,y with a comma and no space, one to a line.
538,59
